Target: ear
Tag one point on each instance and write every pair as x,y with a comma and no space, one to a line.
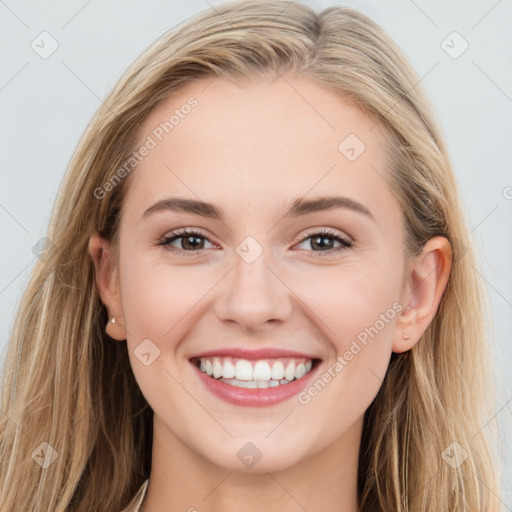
424,287
106,276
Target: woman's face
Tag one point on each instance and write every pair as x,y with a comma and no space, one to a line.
258,273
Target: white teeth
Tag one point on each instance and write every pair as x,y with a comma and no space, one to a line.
277,370
289,372
217,368
266,373
300,371
228,370
262,371
253,383
243,370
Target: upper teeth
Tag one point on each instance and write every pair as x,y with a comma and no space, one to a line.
242,369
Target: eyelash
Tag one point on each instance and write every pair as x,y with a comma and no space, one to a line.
345,243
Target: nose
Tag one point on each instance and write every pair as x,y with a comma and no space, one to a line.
253,295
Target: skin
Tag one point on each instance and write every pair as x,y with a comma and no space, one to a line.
252,151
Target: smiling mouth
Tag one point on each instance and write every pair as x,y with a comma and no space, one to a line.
262,373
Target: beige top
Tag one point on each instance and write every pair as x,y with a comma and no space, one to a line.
138,498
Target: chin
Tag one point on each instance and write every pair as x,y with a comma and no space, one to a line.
259,456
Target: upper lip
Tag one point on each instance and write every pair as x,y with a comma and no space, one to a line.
253,354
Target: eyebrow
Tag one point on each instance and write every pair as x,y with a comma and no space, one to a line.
299,207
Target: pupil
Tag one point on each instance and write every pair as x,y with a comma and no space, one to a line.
323,239
187,239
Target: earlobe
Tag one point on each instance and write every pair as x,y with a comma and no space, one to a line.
107,283
425,285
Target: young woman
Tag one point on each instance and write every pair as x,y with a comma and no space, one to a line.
260,291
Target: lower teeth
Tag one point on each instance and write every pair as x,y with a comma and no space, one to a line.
254,383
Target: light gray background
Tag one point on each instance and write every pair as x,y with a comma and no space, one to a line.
46,103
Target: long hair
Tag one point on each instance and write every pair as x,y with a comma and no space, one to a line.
76,431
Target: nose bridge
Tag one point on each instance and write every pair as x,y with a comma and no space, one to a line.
252,295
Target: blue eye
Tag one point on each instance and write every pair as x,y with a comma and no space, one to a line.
192,242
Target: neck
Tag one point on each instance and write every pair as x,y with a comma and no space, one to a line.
183,480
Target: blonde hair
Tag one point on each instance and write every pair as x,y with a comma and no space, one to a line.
66,383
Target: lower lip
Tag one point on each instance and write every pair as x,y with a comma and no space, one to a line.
255,397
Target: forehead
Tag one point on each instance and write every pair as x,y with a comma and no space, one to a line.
278,138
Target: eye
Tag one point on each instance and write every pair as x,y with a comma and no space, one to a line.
192,241
324,240
189,241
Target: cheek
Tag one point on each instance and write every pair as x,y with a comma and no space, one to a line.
159,303
349,298
162,303
356,308
159,299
